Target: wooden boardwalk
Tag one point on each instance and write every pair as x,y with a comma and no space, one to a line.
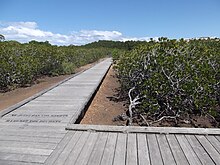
120,145
31,130
41,130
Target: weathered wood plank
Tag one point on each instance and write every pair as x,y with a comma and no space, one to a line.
165,150
215,143
23,157
48,134
131,158
218,137
37,117
38,121
40,113
109,150
59,149
143,152
33,127
178,154
98,150
136,129
154,151
199,150
30,106
10,162
29,139
68,148
87,149
188,151
77,149
31,151
22,144
213,153
120,150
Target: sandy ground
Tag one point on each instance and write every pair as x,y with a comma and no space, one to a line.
105,107
12,97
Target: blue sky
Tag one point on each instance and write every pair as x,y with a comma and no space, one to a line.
82,21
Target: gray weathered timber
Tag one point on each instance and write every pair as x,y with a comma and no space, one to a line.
76,150
165,149
215,143
23,144
154,150
214,154
87,149
96,155
143,151
109,150
68,148
22,157
139,148
199,150
59,149
131,150
177,151
120,150
188,150
153,130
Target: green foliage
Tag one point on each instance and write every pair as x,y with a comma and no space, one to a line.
21,64
173,77
127,45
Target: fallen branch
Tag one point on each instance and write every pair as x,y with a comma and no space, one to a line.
144,120
164,117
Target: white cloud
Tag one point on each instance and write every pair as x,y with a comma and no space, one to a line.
27,31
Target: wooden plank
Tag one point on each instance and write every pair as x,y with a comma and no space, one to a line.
29,139
87,149
137,129
50,134
218,137
188,150
154,151
177,152
68,148
131,158
10,162
21,144
31,151
33,127
120,150
109,150
23,157
77,149
59,149
213,153
215,143
143,152
166,153
40,117
30,106
38,120
51,103
98,150
38,124
43,113
199,150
